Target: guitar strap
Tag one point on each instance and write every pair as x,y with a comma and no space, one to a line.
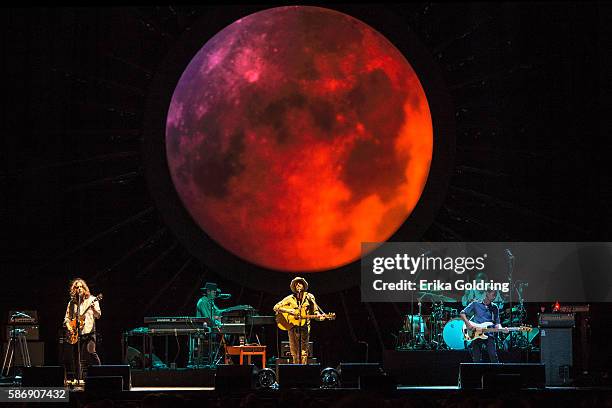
316,305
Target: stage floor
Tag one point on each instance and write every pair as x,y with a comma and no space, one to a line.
401,396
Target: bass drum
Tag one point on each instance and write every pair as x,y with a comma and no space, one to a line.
453,334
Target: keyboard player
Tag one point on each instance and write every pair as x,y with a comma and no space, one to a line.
206,306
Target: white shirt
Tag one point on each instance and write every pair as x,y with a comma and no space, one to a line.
94,312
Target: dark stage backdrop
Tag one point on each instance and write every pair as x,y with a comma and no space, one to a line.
526,83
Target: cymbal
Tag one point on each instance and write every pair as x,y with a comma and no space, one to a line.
507,322
436,297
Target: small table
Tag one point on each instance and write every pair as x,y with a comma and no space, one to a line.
248,351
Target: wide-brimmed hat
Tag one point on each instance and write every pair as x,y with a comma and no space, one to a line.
210,286
296,280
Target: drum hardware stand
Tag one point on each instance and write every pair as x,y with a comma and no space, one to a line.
437,318
412,344
510,270
419,340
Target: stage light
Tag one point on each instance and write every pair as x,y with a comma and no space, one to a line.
330,378
266,378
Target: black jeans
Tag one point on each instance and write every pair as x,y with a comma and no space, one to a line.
476,350
89,356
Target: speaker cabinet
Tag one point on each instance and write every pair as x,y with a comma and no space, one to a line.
351,373
299,375
102,385
230,378
311,360
556,354
43,376
286,351
36,349
501,376
123,371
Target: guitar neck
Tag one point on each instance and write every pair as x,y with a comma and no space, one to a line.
97,298
494,329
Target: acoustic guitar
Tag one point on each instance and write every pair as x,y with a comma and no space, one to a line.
73,333
287,321
482,328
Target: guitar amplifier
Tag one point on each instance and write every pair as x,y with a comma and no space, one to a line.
36,350
286,351
31,332
556,320
23,316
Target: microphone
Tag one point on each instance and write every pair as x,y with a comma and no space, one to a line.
224,295
509,254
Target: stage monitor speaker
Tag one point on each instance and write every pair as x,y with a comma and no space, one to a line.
122,371
235,378
299,375
101,385
36,349
43,376
556,354
351,373
501,376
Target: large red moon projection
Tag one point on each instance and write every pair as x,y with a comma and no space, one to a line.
295,134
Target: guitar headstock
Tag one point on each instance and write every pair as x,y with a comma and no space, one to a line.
99,297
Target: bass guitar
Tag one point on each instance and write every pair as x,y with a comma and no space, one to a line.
73,333
287,321
481,328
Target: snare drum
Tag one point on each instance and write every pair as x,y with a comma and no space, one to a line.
453,334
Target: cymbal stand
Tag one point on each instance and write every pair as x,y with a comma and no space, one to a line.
436,318
420,336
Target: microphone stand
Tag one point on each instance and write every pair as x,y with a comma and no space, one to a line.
300,301
411,326
79,373
510,273
214,327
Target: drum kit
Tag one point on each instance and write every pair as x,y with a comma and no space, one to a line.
442,328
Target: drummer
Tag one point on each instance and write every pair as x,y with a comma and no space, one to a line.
472,295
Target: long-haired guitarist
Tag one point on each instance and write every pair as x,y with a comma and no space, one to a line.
82,311
482,311
299,303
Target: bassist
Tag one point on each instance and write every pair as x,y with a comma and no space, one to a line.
482,311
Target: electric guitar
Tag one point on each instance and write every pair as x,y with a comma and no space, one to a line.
287,321
73,333
482,328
